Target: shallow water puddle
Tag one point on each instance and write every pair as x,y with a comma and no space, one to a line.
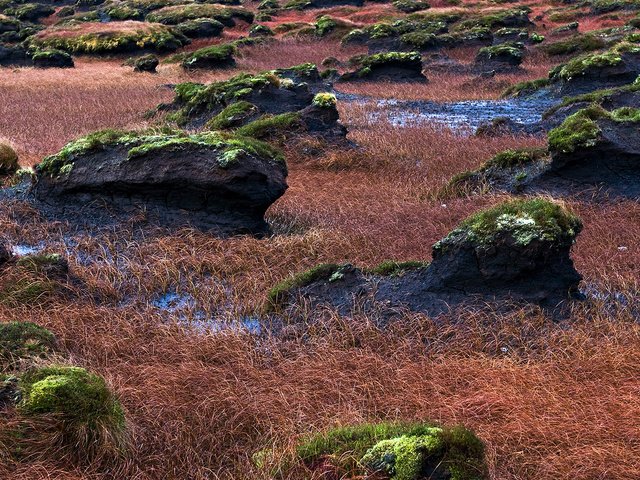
21,250
463,117
184,308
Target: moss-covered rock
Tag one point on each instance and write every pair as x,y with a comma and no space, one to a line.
215,56
400,451
88,420
222,181
395,66
500,56
23,340
233,116
575,44
112,37
8,160
200,28
146,63
52,58
410,6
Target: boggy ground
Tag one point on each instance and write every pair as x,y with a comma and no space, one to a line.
551,400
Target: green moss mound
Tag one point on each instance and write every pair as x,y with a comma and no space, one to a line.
525,220
23,340
232,116
88,418
8,160
269,126
575,44
173,15
399,451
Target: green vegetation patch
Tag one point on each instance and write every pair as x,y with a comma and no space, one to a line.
410,6
232,116
391,268
279,294
515,158
525,220
23,340
574,44
325,100
525,88
509,50
581,129
516,17
270,125
400,451
89,418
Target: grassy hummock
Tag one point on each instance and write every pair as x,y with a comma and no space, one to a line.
515,158
400,451
392,268
525,220
209,57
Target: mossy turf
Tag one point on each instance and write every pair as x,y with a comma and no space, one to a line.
391,268
525,220
173,15
23,340
232,116
400,451
269,126
211,57
515,158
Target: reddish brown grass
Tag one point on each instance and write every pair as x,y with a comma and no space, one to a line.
551,400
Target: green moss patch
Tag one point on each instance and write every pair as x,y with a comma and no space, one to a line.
391,268
400,451
515,158
232,116
574,44
279,294
173,15
270,125
210,57
525,220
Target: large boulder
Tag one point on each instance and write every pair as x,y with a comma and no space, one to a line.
517,251
213,180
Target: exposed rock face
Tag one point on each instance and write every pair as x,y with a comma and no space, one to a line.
517,251
211,180
593,150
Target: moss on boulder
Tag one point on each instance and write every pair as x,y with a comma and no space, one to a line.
215,56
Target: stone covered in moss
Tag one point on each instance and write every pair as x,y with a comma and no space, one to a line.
112,37
8,160
23,340
52,58
517,251
215,56
224,180
394,66
522,221
272,92
499,56
88,419
146,63
399,451
200,28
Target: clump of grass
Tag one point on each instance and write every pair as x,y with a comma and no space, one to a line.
392,268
